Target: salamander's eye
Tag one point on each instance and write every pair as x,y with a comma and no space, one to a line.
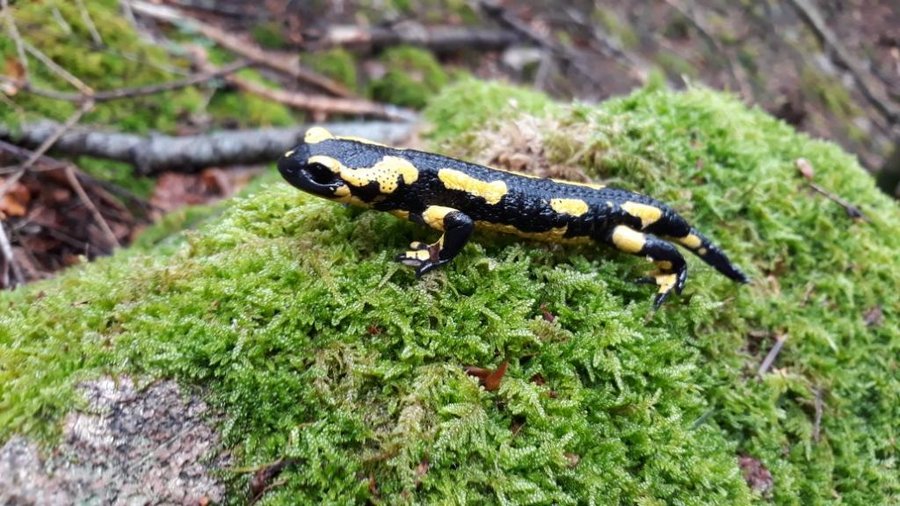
320,173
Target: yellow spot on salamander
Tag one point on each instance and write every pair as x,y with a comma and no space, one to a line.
388,173
702,251
360,139
289,153
316,135
492,191
433,216
574,207
647,214
400,213
576,183
628,240
690,241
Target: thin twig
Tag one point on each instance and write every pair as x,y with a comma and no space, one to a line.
138,91
14,34
439,39
65,74
772,355
45,146
852,211
284,63
86,17
813,18
13,267
86,200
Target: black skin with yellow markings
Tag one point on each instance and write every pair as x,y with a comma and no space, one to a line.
455,197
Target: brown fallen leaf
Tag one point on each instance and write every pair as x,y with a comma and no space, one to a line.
15,202
489,379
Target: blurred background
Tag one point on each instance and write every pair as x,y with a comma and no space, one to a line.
95,94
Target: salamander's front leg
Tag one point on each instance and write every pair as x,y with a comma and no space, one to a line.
671,270
456,226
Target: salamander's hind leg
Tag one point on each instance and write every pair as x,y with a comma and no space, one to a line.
671,272
456,226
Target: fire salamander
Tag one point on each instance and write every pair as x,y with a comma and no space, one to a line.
455,197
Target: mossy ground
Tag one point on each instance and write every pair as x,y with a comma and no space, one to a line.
315,345
123,59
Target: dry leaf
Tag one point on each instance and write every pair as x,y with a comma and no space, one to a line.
15,202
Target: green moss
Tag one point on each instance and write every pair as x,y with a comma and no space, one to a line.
314,344
123,61
268,34
412,76
338,64
248,110
118,173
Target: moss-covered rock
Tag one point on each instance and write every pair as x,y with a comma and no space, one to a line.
315,345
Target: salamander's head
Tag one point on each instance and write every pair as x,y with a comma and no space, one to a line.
347,169
312,167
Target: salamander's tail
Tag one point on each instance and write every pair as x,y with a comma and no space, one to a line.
711,254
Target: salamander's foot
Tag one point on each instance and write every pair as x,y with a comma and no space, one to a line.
423,257
666,283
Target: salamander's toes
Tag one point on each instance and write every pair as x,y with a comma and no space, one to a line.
666,283
423,257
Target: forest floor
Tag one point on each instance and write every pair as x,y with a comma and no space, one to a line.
828,68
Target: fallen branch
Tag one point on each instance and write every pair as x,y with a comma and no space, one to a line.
121,93
285,63
813,18
45,145
317,104
154,154
439,39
